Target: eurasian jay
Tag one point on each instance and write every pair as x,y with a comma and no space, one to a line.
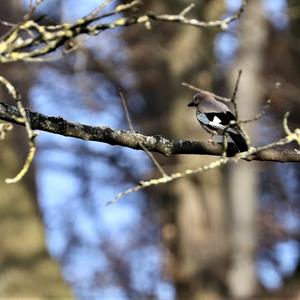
215,116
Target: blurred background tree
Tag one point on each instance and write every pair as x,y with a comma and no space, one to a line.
230,233
26,267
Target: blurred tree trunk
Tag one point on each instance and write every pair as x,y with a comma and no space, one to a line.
283,65
243,180
192,211
27,270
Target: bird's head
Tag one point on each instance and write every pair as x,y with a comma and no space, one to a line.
198,98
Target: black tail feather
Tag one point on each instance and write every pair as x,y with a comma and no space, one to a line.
239,141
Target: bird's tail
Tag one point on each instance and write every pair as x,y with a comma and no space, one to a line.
239,141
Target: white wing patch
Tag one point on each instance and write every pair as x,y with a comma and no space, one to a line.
216,122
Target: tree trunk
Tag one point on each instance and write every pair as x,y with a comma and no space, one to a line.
243,181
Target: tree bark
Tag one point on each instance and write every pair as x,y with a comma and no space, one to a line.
135,140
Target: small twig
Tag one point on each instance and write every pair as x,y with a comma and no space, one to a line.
30,133
96,11
235,110
223,24
237,122
258,115
124,104
32,8
172,177
265,107
26,166
8,24
12,35
151,156
233,98
285,123
187,9
121,8
192,87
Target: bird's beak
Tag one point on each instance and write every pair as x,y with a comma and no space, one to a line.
191,104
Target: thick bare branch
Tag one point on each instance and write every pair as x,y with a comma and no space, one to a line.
155,143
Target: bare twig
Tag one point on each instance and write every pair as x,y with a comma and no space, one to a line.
233,98
258,115
223,24
264,108
32,9
192,87
31,134
236,113
8,24
285,123
44,39
187,9
96,11
12,34
155,162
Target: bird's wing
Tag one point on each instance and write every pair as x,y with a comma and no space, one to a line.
219,120
211,120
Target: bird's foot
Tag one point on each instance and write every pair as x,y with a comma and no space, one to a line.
211,141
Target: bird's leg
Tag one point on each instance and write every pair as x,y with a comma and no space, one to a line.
211,140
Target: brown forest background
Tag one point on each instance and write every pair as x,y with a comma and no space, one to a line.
206,236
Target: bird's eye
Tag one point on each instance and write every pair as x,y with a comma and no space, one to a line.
196,99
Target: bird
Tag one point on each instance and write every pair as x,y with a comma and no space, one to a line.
214,116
